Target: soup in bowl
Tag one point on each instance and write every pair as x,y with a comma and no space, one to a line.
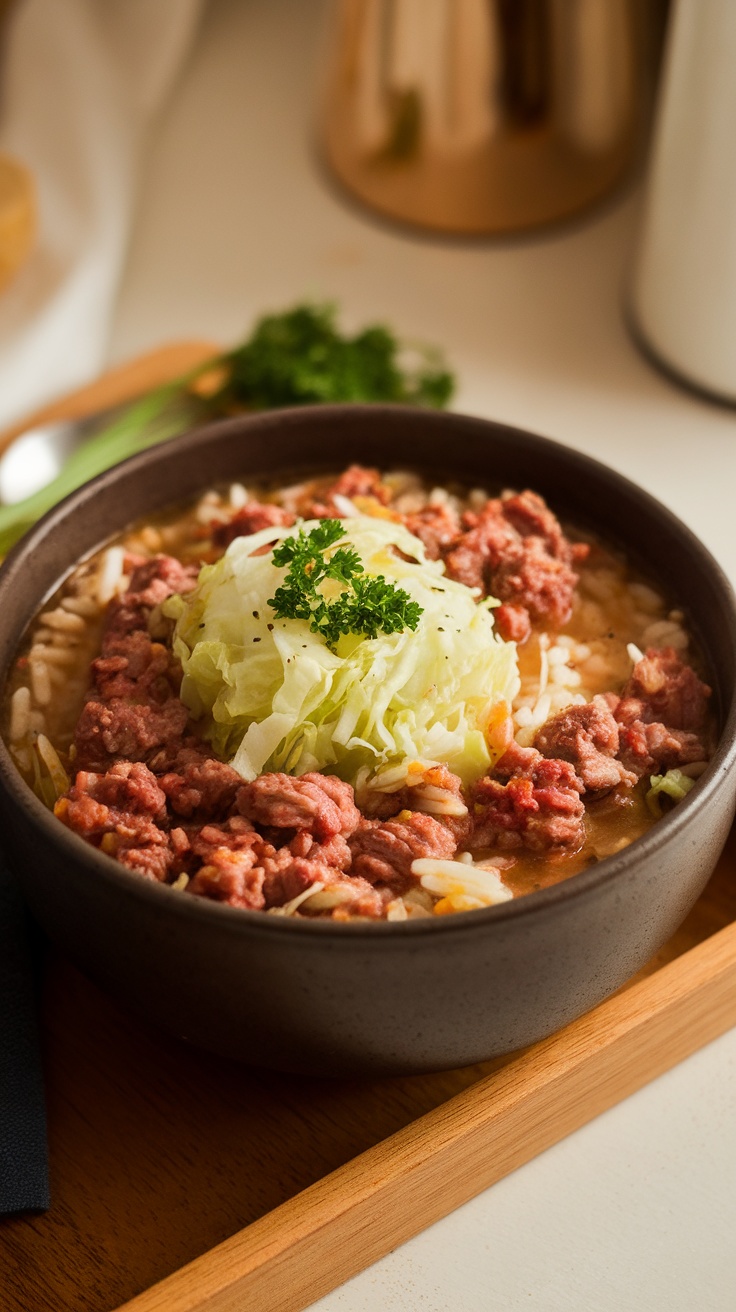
390,766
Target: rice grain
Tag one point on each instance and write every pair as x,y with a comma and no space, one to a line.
53,655
63,621
20,714
40,682
84,605
110,574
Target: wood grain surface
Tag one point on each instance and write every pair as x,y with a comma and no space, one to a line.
354,1216
241,1189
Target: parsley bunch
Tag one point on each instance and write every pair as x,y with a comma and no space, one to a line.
301,357
368,605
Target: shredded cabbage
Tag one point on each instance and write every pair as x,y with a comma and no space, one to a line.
673,784
274,697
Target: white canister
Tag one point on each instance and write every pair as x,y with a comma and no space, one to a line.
684,290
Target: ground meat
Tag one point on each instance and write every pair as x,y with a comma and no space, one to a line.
242,869
202,787
230,871
383,852
151,582
431,794
120,812
134,713
179,840
287,875
128,812
151,862
436,526
532,517
486,539
652,748
303,862
514,549
128,786
529,577
668,690
359,481
236,833
661,714
335,852
356,481
512,622
134,667
251,518
321,804
155,579
588,737
124,731
529,801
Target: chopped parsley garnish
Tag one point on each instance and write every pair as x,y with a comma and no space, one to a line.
368,605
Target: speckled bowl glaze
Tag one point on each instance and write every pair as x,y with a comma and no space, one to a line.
401,997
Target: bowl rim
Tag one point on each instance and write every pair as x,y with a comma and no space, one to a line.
542,901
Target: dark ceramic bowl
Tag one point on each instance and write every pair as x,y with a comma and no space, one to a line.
401,997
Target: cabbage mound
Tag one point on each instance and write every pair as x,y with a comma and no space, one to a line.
273,696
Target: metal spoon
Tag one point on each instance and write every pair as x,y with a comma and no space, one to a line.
38,455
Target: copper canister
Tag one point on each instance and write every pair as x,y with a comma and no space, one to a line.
484,116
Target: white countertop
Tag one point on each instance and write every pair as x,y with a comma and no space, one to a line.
638,1209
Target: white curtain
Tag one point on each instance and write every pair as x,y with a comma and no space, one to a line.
82,82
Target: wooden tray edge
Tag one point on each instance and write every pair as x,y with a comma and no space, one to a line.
358,1213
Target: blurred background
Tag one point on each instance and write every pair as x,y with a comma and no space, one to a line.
196,163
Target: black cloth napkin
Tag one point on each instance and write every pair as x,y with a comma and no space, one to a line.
24,1178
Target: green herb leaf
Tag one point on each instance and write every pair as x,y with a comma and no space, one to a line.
368,606
301,357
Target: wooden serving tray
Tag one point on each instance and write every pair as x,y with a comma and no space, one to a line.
239,1189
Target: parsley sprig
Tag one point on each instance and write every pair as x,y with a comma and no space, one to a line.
368,605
